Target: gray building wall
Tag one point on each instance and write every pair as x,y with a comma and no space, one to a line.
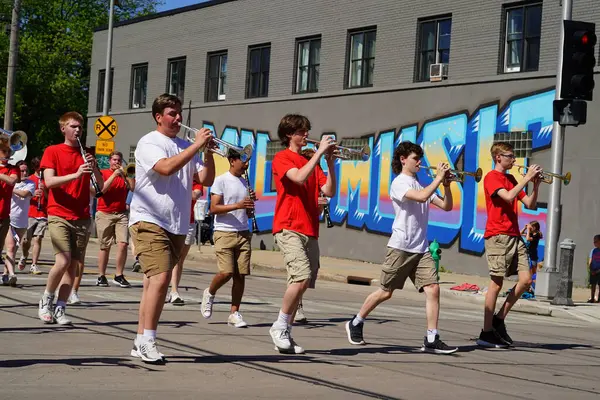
393,102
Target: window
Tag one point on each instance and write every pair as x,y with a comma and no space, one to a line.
216,85
361,58
521,142
176,77
273,148
259,58
434,45
100,97
522,38
139,85
132,154
308,54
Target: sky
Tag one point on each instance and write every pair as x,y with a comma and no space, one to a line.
171,4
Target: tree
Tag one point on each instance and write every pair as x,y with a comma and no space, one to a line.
55,48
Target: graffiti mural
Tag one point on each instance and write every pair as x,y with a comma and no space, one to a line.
362,201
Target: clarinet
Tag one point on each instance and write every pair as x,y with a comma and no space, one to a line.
327,216
92,177
40,183
251,211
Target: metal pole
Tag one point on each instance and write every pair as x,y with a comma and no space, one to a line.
11,73
557,150
108,58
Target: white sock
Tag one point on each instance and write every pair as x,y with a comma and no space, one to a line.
60,303
138,337
283,320
431,335
48,295
149,334
357,320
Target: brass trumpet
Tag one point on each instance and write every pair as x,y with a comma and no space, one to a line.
347,153
459,176
14,140
547,177
245,152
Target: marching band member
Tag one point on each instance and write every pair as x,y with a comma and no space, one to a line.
408,253
506,253
19,206
296,220
9,176
38,220
159,213
67,175
112,219
230,202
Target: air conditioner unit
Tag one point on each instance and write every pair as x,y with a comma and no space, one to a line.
437,72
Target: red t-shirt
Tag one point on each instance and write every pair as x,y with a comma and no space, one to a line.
33,204
501,216
195,186
114,200
6,190
296,207
70,201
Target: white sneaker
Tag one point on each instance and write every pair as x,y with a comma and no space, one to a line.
281,338
236,320
175,299
135,351
35,270
60,317
22,263
45,310
207,304
74,298
300,318
149,352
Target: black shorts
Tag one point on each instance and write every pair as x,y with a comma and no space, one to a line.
595,279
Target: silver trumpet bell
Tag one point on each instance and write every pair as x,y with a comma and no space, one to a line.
214,146
16,140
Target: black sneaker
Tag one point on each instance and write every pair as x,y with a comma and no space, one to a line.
136,266
355,333
121,281
491,339
499,326
102,281
437,346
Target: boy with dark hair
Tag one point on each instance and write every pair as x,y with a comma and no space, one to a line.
408,249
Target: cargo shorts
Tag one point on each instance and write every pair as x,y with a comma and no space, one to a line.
506,255
301,256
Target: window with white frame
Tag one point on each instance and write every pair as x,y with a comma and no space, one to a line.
308,54
176,77
522,37
434,45
139,85
361,57
132,154
216,85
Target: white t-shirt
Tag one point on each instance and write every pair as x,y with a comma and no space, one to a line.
233,190
19,206
162,200
409,230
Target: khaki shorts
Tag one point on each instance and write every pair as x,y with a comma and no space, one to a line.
506,255
112,228
233,251
300,254
69,236
36,227
400,265
157,249
191,235
4,228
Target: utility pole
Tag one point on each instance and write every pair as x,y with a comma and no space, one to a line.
107,79
13,55
547,280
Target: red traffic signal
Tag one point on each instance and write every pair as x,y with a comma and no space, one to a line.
578,60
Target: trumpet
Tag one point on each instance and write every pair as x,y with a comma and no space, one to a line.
14,140
347,153
245,152
130,170
547,177
459,176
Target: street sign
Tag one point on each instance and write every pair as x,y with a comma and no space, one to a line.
102,161
104,147
106,127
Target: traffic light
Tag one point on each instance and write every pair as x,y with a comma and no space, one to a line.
578,60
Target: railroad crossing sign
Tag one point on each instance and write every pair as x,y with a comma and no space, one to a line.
105,147
106,127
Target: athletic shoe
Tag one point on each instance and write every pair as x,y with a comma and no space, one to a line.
135,351
491,339
74,298
12,280
295,349
4,280
149,352
45,312
22,263
121,281
281,338
35,270
175,299
500,327
437,346
236,320
60,317
300,318
207,304
102,281
355,333
136,267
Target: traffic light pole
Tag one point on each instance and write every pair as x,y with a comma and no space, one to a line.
549,274
11,73
108,58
